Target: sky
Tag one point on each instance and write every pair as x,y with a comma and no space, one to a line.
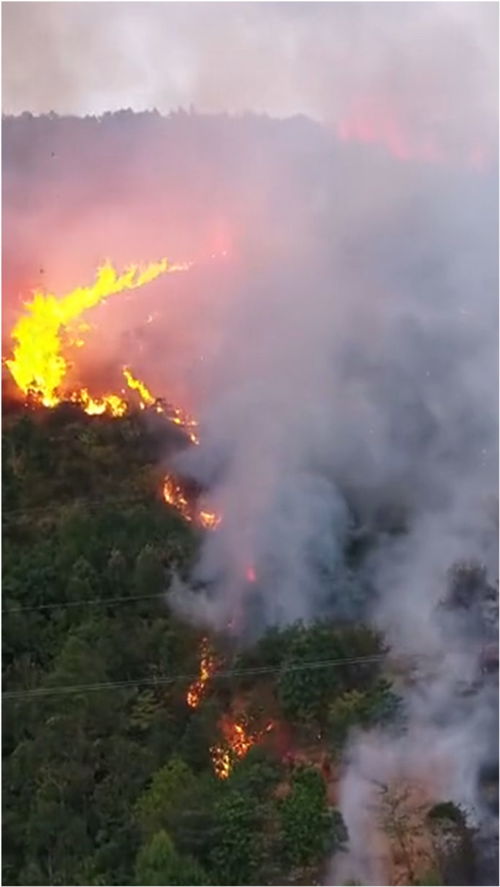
433,64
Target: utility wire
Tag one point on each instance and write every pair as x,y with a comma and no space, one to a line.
260,670
116,685
84,602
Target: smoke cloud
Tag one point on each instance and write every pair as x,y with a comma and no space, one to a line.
342,356
423,72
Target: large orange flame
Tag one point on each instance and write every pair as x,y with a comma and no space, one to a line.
38,365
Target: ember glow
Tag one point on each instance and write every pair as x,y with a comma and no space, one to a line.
38,365
185,421
377,123
207,668
237,743
368,127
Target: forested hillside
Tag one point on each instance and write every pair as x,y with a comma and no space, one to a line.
108,776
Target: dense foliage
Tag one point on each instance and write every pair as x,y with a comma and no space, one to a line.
107,771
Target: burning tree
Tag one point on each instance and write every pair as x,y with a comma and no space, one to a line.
38,365
237,742
208,664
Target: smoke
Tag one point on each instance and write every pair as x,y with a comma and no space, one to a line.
342,357
419,71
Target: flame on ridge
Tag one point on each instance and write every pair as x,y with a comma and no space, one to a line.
38,365
96,406
179,417
144,393
373,121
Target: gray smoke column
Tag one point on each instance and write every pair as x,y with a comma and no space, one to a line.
269,427
358,357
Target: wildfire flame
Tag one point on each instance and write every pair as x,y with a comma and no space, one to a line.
179,417
372,120
110,403
250,574
237,743
136,385
38,365
221,761
209,520
207,668
174,495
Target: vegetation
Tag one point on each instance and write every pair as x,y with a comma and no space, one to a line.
107,775
309,829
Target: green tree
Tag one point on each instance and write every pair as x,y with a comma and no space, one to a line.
83,581
357,708
236,839
309,828
453,841
257,775
159,863
116,571
171,788
149,575
304,691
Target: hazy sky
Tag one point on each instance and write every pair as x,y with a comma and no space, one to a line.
435,64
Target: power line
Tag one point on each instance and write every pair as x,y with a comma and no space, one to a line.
117,685
84,602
